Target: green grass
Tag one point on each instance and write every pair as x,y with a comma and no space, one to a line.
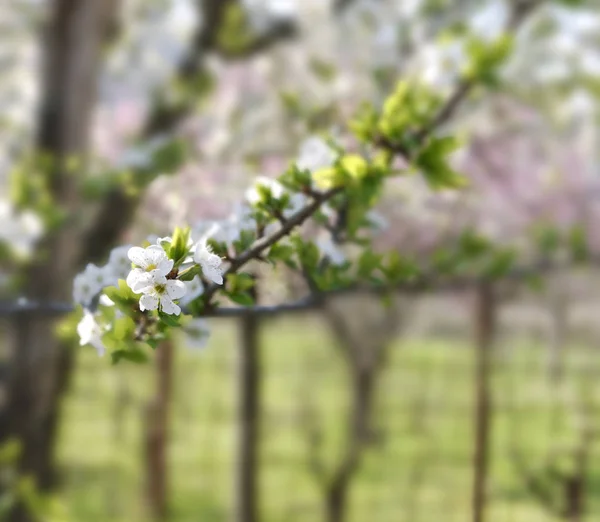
420,470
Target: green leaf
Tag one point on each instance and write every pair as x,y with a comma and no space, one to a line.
189,273
123,297
168,319
281,252
433,162
368,262
134,355
410,107
123,328
364,124
240,282
179,245
486,57
354,166
242,298
328,178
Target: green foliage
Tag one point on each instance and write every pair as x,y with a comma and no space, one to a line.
235,34
282,252
432,161
368,264
31,187
295,179
307,252
179,248
364,123
485,58
409,108
124,297
500,263
578,244
136,355
399,269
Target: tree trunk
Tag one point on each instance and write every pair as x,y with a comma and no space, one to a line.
40,365
485,319
249,377
360,434
157,435
336,502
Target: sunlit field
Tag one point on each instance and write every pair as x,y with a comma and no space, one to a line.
419,467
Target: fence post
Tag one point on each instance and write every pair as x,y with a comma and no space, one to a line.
157,434
248,382
484,328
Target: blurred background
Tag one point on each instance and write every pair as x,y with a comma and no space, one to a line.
124,118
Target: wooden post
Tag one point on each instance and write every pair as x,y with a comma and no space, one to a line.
157,435
485,323
248,382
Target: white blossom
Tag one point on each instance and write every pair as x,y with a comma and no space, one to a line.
376,220
119,264
253,195
20,230
89,283
161,293
315,154
197,332
193,289
297,202
90,332
330,250
209,262
151,263
227,230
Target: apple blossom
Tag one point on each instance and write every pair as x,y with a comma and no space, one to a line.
253,195
209,262
315,154
89,283
330,250
119,264
161,293
90,332
151,262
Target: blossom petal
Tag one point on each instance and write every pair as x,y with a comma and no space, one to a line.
165,266
139,281
137,255
176,289
168,306
214,274
99,345
148,302
155,255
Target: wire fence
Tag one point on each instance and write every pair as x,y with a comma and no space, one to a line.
419,463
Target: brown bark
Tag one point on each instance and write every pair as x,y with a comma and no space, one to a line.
157,435
485,325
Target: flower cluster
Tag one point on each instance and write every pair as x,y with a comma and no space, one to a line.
19,230
312,219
